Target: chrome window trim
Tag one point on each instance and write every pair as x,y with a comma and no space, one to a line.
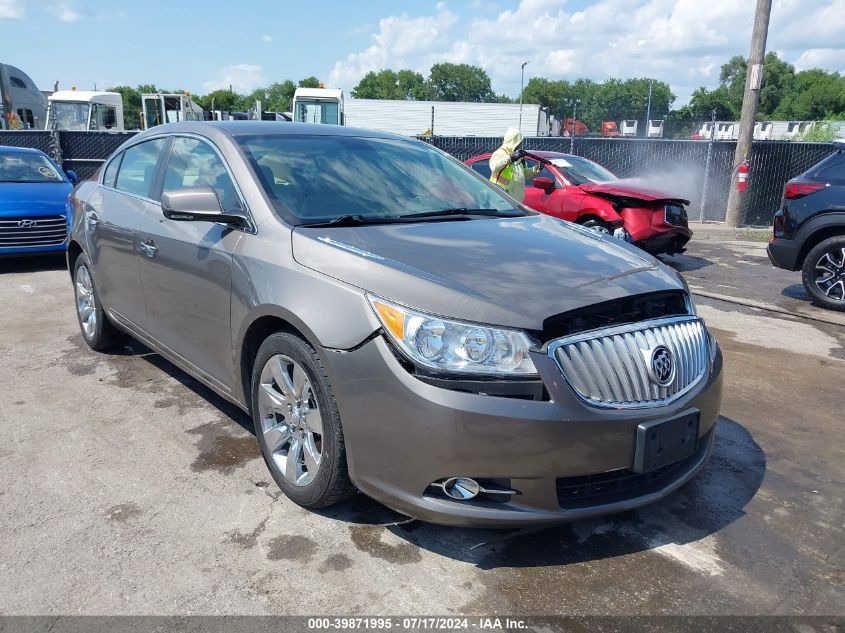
251,228
629,328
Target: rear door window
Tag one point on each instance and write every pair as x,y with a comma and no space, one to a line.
831,168
110,174
138,167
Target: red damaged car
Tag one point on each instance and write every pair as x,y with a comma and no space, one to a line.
577,189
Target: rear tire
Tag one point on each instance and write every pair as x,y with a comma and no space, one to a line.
823,273
98,331
297,423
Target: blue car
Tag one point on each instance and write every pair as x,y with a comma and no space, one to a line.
33,202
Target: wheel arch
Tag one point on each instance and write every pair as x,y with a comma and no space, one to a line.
265,322
817,230
74,250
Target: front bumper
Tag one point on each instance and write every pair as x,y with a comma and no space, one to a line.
785,253
403,434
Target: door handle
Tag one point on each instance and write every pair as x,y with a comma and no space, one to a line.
93,221
149,248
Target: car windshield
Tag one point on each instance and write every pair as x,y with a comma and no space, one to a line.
580,171
321,178
25,167
70,115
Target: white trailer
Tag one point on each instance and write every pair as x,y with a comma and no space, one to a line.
628,127
447,118
655,128
85,110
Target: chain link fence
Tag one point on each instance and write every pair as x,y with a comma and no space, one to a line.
699,171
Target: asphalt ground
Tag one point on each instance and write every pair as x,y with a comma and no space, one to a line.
128,488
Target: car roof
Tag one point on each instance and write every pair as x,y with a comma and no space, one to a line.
8,149
269,128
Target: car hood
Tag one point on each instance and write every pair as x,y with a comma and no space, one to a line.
513,272
631,190
33,198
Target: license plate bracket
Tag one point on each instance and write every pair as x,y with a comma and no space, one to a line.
661,442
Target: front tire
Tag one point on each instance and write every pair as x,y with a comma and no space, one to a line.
297,423
99,333
823,273
600,226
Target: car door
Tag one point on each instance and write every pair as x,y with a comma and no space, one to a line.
564,201
186,266
113,216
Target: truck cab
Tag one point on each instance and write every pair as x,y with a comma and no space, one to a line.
159,108
22,106
82,110
318,105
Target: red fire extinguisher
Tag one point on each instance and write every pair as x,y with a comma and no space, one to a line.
742,176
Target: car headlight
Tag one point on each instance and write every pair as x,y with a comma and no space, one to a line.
452,346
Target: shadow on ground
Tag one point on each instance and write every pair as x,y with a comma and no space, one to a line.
32,263
686,263
714,499
711,501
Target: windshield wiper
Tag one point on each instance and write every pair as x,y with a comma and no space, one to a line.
465,211
351,220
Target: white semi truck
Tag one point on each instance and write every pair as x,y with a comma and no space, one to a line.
414,118
159,108
85,110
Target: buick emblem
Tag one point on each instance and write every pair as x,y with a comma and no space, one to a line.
27,224
661,366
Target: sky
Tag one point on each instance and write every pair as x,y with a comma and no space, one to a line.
203,46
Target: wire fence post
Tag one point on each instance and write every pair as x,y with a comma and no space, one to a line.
707,166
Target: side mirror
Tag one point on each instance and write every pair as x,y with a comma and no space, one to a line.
546,184
71,175
197,204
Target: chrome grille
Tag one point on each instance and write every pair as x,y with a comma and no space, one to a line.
24,231
610,367
676,215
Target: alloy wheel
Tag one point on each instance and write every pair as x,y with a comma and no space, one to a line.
86,302
291,420
830,274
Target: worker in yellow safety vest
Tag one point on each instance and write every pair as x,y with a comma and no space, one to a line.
508,168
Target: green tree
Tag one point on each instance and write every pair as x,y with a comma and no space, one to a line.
131,105
222,100
459,82
309,82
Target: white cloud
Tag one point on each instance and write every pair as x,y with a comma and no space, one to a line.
267,39
241,77
11,10
828,58
402,41
64,12
677,41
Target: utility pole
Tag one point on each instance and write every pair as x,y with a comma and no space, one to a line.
521,89
648,107
750,101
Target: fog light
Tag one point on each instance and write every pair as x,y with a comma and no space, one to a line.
461,488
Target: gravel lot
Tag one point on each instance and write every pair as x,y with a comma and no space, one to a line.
128,488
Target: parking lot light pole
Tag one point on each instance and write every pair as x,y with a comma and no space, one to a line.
648,107
521,89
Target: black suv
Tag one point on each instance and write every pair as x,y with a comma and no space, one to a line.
809,229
